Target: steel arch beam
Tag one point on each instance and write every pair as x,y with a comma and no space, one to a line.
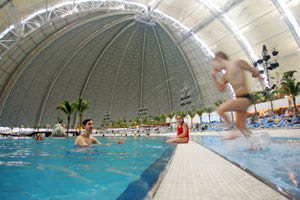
142,70
165,69
71,56
118,69
184,57
11,81
287,21
100,55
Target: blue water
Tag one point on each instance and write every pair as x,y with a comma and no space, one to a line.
274,163
56,169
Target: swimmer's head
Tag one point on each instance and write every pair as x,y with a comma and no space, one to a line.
88,124
222,55
217,63
179,119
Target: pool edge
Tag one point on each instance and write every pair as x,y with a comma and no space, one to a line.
278,189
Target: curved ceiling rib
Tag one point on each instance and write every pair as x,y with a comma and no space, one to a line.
11,80
113,89
71,56
165,69
289,19
232,28
239,37
101,55
185,59
209,20
142,70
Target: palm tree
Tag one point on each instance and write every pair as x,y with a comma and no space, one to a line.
209,110
80,106
157,119
146,120
68,109
217,104
290,87
200,112
192,115
171,115
256,98
138,121
162,118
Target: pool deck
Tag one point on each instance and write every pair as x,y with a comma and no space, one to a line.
198,173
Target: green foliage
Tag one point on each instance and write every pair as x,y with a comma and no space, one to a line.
66,107
192,114
162,118
171,114
289,86
256,97
157,119
81,105
200,113
218,103
138,121
208,110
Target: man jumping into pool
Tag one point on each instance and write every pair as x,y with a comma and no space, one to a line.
86,139
235,75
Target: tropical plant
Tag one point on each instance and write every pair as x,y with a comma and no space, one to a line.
157,119
290,87
200,112
269,95
256,98
162,118
80,106
171,115
217,104
209,110
138,121
192,115
68,109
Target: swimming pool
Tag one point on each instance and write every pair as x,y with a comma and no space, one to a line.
273,165
56,169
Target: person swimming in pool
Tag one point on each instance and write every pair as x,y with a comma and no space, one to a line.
86,139
182,131
235,75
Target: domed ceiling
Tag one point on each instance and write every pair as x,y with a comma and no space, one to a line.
121,57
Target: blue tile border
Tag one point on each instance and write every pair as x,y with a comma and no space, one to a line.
143,188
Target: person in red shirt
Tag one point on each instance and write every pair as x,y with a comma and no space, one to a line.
182,131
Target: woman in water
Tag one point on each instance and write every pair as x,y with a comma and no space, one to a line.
182,131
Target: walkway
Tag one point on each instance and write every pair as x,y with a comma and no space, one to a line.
197,173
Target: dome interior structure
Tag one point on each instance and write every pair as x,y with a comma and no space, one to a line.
122,56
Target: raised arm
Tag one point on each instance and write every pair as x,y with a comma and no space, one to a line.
220,84
245,66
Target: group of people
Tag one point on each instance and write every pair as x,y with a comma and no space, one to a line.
233,73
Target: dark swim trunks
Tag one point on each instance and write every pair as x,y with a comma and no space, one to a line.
247,96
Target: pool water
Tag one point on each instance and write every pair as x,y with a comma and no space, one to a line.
56,169
275,163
